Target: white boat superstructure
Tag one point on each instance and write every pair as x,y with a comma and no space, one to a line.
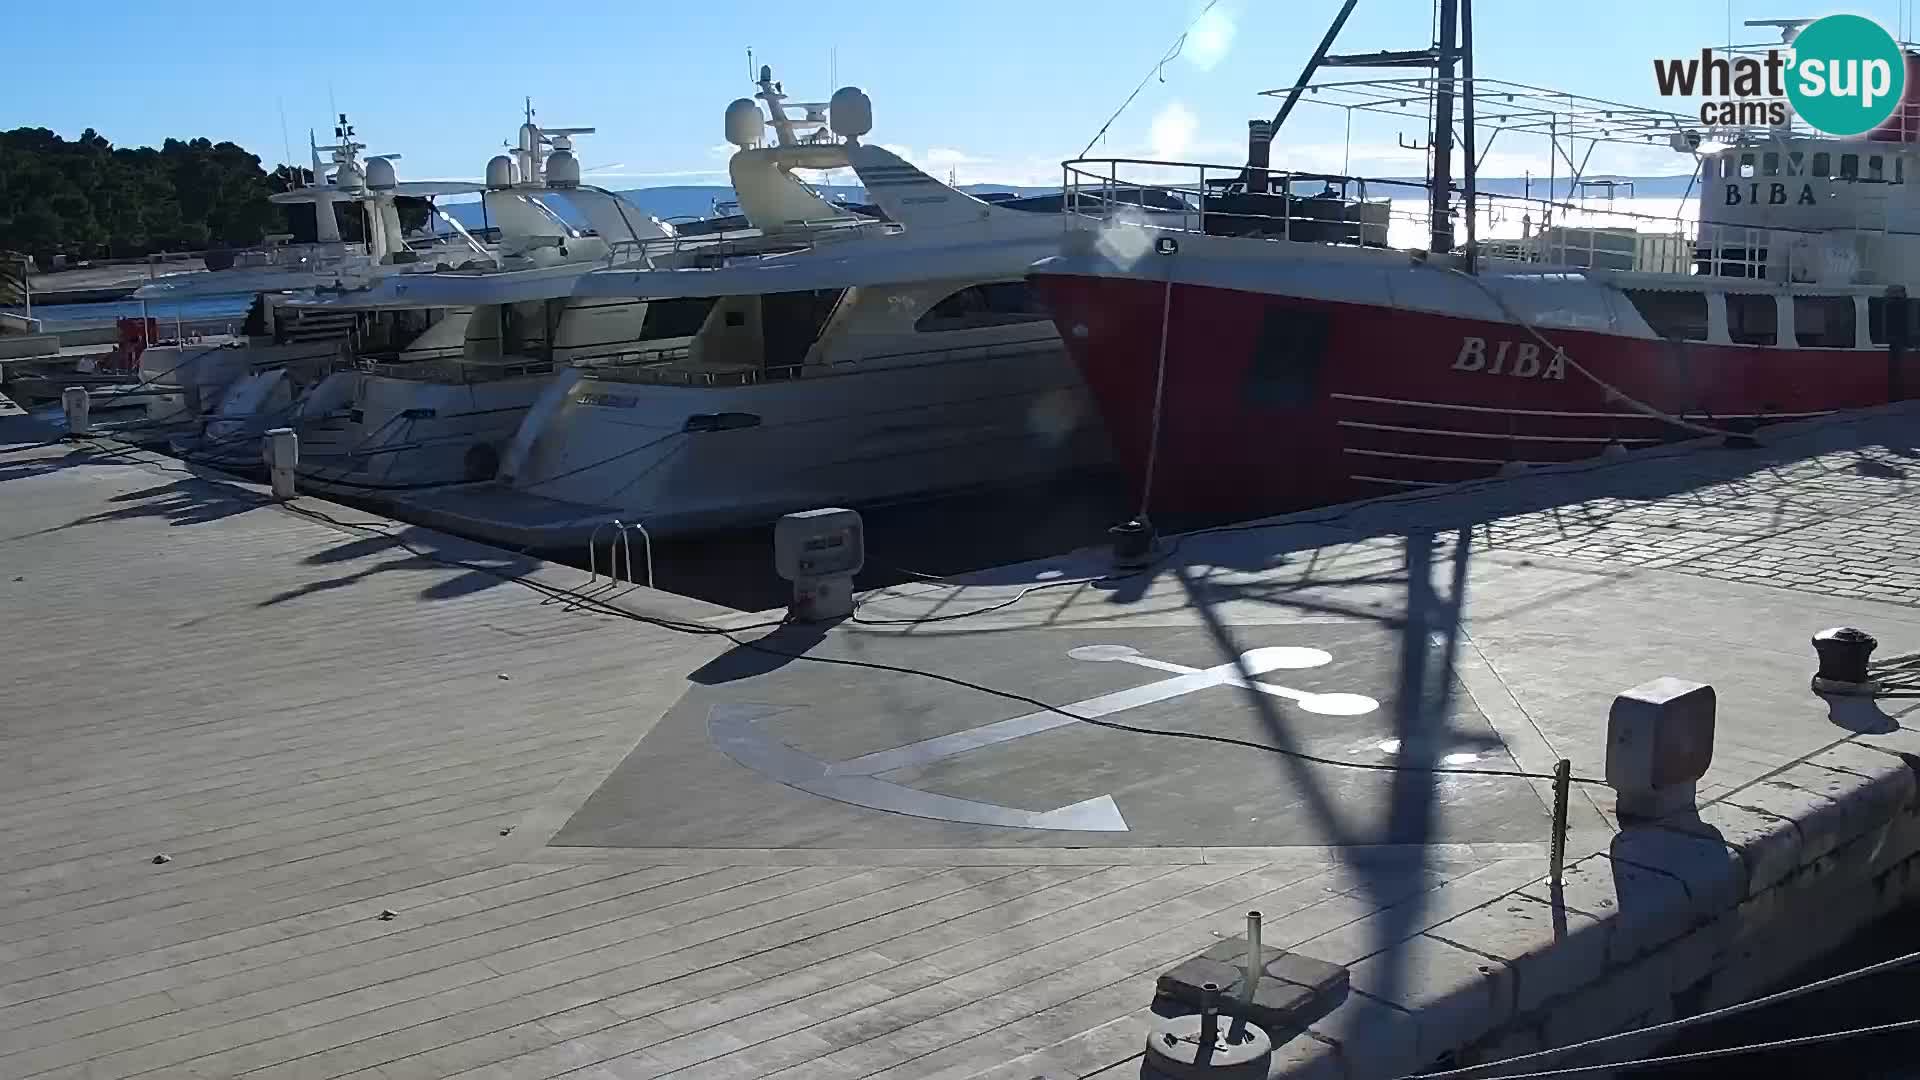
394,424
881,368
188,382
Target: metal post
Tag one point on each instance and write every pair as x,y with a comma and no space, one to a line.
1209,1021
1562,782
1466,71
26,283
1249,982
1440,196
1254,965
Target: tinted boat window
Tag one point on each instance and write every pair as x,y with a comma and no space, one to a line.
1676,316
681,317
1287,357
999,304
1823,322
1770,162
1823,166
1877,321
1849,165
1752,319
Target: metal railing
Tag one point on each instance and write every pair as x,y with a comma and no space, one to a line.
456,371
1358,211
622,545
717,248
668,375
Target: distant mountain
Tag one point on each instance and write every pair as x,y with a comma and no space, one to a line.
698,200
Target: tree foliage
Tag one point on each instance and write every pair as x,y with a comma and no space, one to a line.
13,277
89,198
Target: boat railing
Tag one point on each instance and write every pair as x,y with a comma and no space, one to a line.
454,369
668,374
1233,200
716,248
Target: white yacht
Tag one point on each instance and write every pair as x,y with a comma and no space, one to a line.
403,423
885,367
186,381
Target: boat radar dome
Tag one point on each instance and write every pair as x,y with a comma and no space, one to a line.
380,174
744,123
852,112
349,176
563,169
500,172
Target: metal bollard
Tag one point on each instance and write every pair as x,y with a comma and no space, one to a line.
1843,652
1209,1019
283,456
1557,853
1659,745
75,403
1254,964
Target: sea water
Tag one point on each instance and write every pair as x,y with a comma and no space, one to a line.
56,317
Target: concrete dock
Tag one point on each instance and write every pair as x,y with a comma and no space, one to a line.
291,790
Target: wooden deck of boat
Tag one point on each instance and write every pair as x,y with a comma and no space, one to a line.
419,820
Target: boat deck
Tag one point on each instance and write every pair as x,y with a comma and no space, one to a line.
292,790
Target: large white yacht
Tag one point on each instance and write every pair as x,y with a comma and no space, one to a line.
186,380
396,423
885,367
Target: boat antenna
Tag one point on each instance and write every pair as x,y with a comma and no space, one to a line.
1159,68
286,146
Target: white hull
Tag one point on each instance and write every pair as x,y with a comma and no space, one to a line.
617,449
401,435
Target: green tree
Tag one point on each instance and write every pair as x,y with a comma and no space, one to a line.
88,197
13,278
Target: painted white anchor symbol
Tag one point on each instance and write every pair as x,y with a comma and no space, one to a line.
734,730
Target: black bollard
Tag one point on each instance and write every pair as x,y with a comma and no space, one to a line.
1843,652
1132,544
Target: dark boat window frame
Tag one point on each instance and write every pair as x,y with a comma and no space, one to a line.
1837,333
1660,309
984,305
1745,330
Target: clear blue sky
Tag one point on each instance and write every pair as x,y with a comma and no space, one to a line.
995,90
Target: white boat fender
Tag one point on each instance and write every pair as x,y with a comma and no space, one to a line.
558,392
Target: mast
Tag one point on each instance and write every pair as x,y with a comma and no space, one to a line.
1441,178
1468,158
1313,64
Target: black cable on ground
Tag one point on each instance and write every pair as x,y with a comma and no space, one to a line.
729,633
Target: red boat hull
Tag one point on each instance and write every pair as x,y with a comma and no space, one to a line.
1274,403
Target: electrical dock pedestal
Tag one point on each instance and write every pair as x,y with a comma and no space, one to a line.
315,793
